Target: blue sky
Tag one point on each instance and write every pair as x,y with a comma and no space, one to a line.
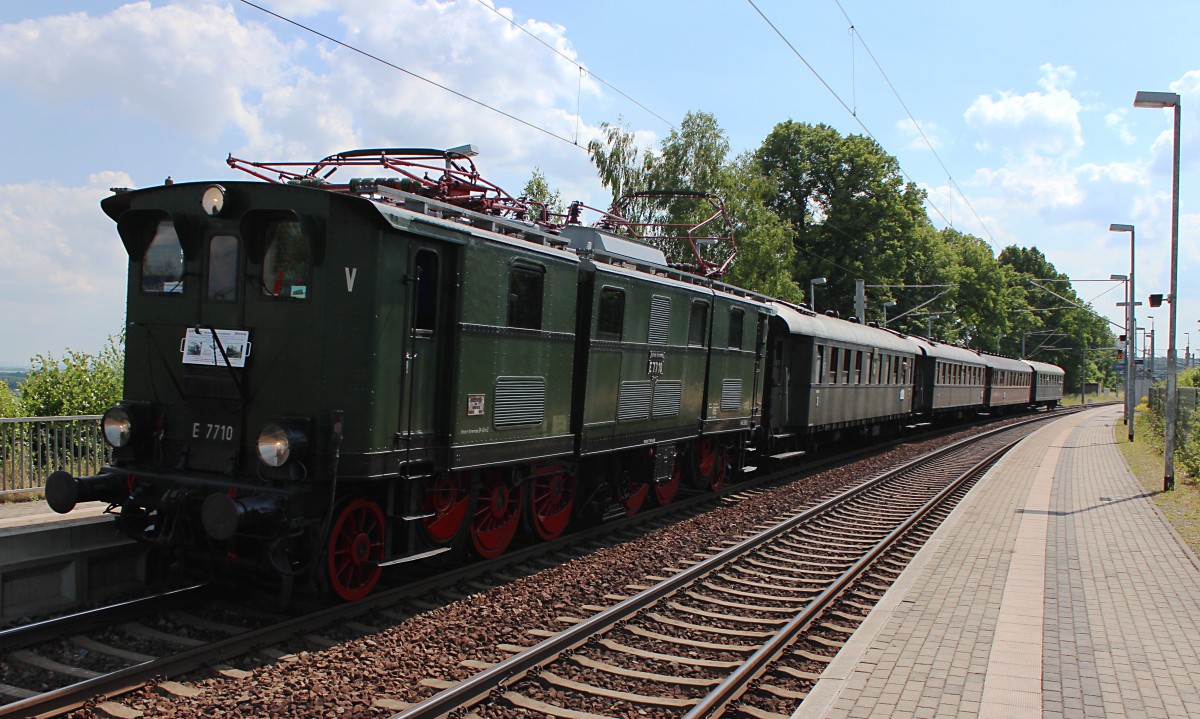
1029,107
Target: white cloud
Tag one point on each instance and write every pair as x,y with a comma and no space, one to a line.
919,133
61,265
1031,123
1118,120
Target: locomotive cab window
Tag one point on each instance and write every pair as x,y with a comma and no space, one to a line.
425,293
287,262
736,317
162,265
698,324
222,283
525,286
610,319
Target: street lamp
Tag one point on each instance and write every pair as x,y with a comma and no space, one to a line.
812,291
1127,411
1161,100
929,324
1130,325
886,305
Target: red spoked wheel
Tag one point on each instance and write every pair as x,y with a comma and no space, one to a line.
710,464
664,492
631,492
355,548
551,499
447,497
497,514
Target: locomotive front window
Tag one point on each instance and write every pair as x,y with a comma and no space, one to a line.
525,286
222,268
162,265
287,263
610,320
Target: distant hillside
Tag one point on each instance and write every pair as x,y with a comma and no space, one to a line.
12,377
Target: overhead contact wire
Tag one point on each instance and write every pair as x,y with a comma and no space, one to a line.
410,73
838,97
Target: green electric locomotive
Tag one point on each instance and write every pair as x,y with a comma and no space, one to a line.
324,379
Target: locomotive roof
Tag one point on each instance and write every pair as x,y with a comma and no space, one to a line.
839,330
1045,367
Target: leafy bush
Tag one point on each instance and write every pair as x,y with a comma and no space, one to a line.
10,404
80,383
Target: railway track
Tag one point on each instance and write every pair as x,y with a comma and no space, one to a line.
744,631
185,640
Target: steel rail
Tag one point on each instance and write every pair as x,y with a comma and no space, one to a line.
733,686
24,635
518,665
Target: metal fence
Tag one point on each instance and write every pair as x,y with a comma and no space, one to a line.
1186,398
31,448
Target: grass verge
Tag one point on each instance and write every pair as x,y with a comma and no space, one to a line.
1145,458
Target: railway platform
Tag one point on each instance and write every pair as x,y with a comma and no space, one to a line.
52,562
1055,589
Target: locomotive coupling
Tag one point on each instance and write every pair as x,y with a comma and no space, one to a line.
223,516
63,491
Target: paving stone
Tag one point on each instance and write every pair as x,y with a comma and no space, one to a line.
1056,575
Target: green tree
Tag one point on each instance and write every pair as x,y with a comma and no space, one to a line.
79,383
695,158
539,191
10,404
853,213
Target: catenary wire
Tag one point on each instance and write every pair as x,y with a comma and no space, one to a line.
928,143
394,66
575,62
846,107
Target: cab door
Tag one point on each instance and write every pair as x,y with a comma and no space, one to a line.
425,384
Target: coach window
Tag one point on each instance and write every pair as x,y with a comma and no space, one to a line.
698,324
846,365
858,378
425,293
736,317
833,365
610,320
222,268
525,287
287,262
819,365
162,265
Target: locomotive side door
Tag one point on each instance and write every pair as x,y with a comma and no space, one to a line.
424,394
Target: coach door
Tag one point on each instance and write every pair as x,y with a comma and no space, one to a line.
424,391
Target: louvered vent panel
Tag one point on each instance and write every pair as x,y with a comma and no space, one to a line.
660,319
633,402
667,398
519,401
731,395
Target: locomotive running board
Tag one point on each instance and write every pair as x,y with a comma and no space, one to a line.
413,557
788,455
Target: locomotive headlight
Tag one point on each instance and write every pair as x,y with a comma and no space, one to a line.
279,442
213,200
118,426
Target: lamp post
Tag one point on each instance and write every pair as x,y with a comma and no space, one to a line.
1130,325
1161,100
886,305
1128,412
812,291
929,324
